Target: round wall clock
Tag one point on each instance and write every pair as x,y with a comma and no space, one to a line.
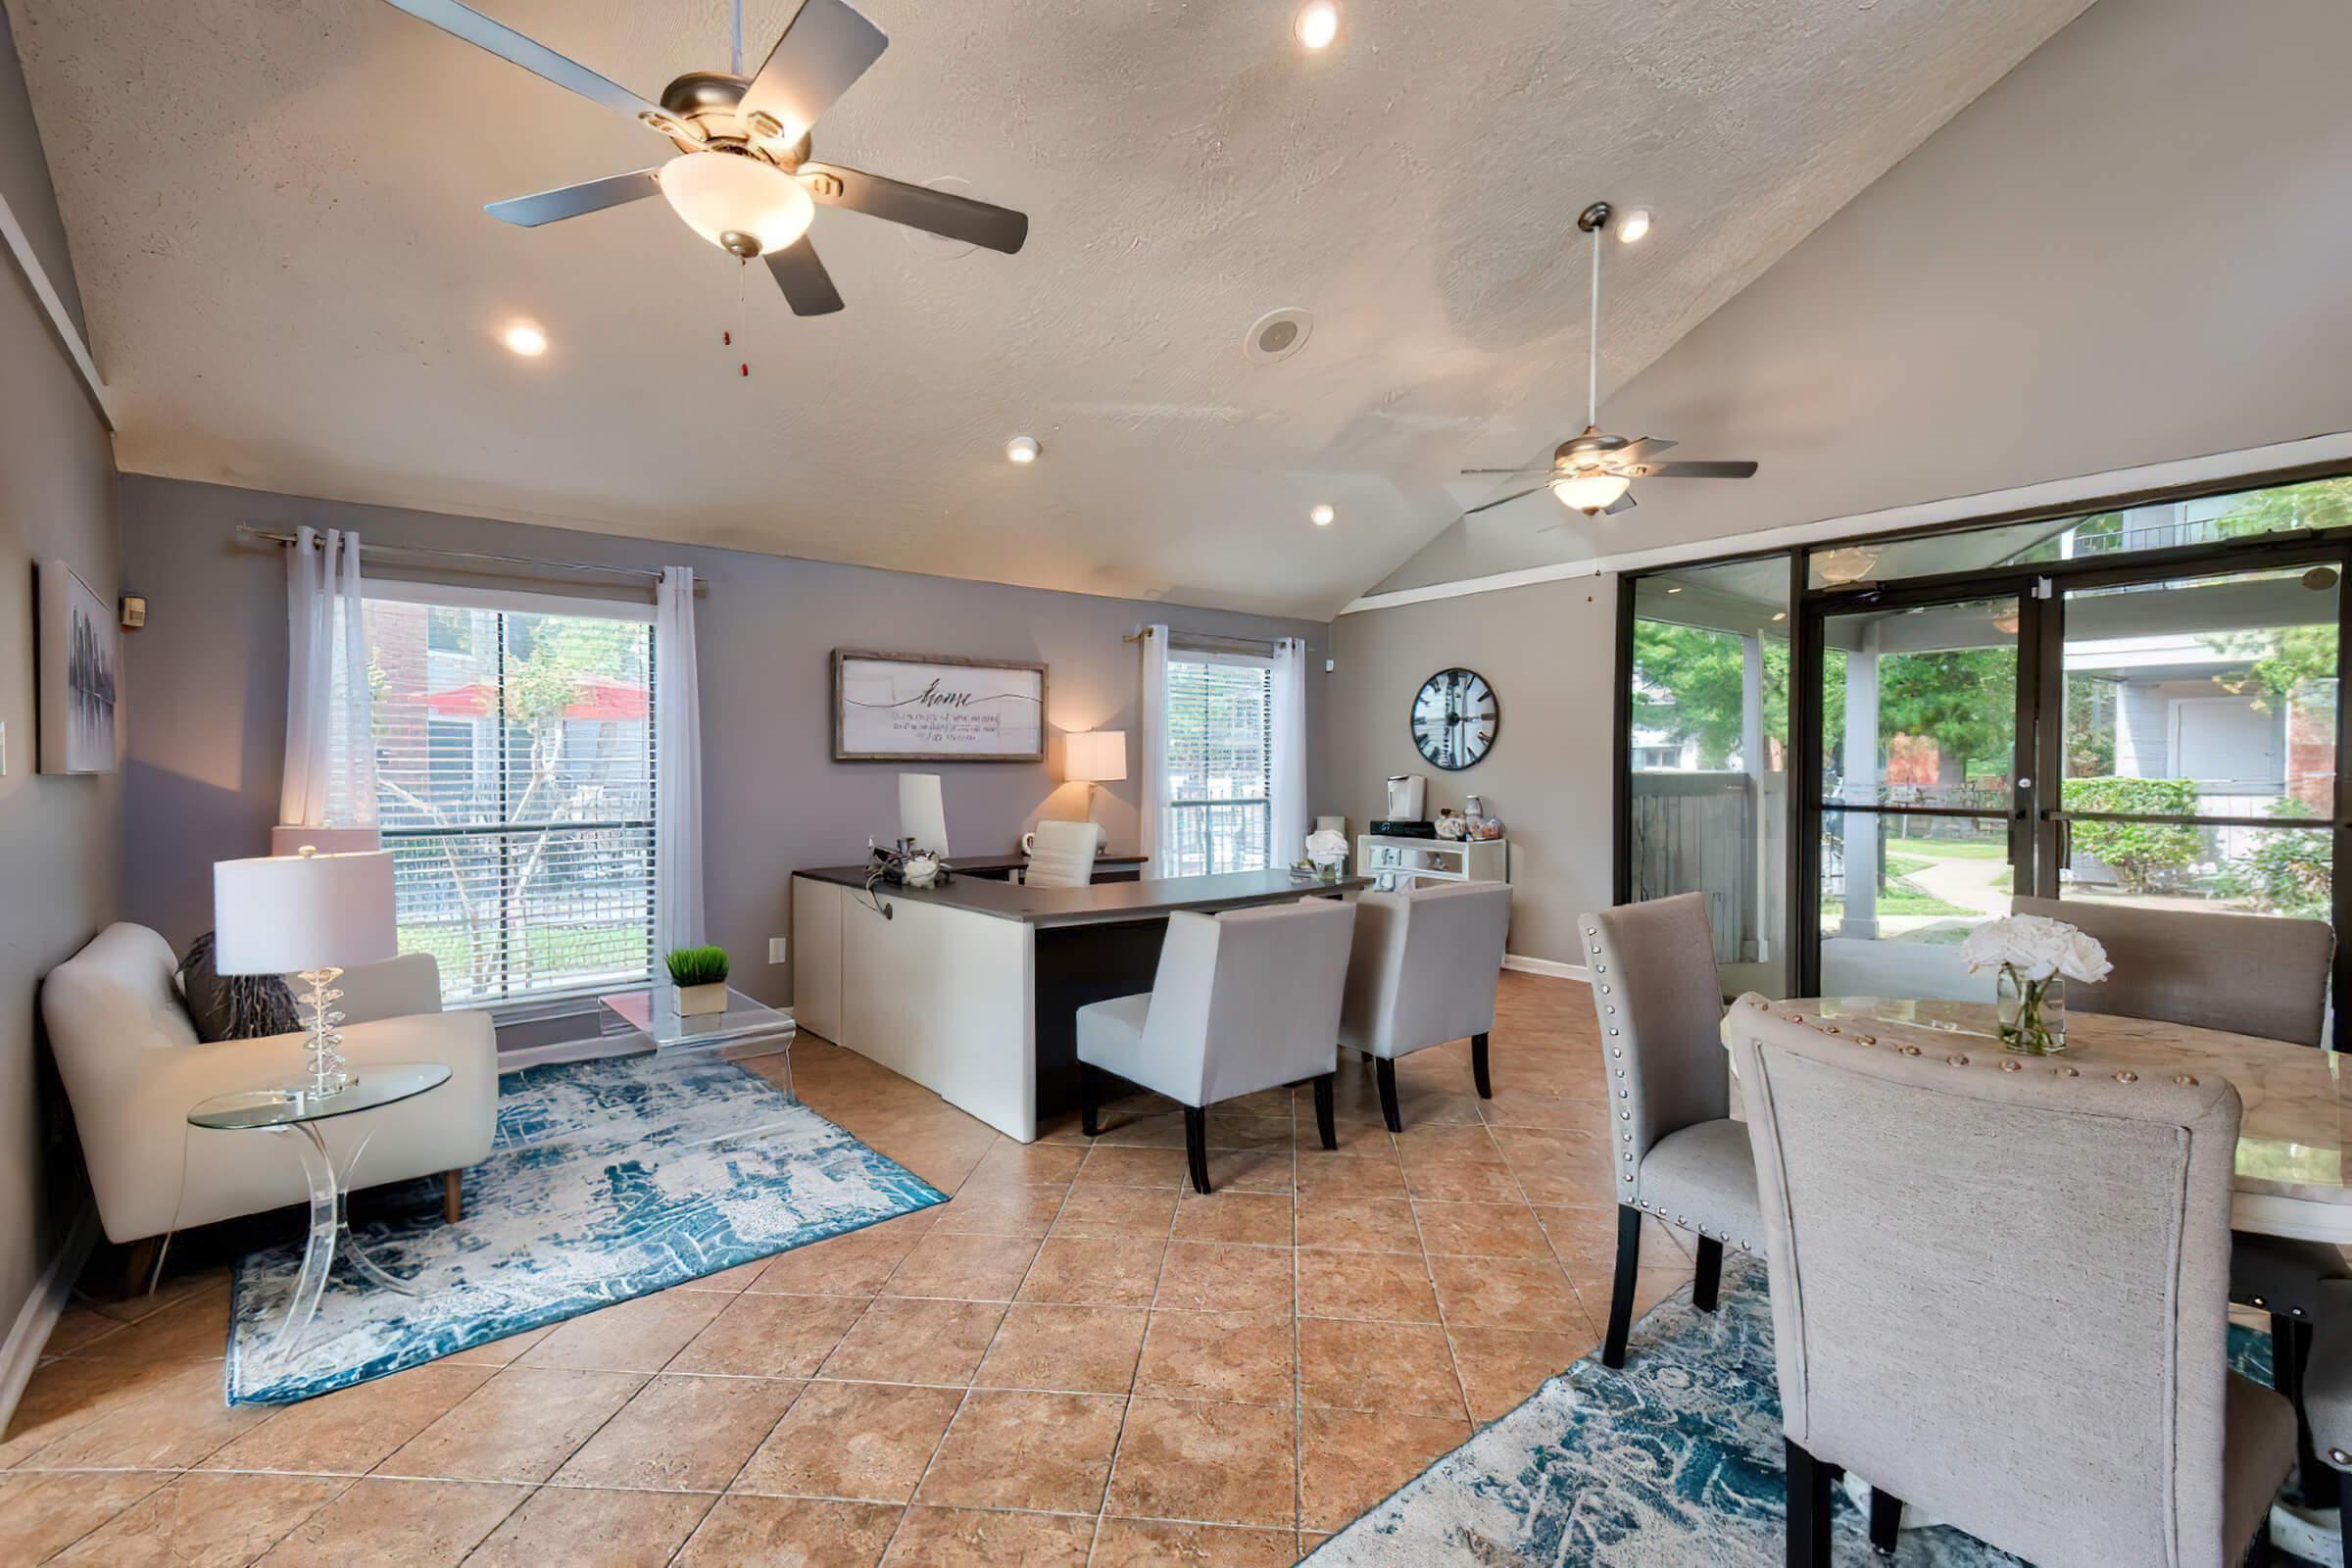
1455,717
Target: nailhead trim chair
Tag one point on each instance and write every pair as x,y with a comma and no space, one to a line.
1243,1000
1680,1156
1422,972
2000,1289
2327,1385
2250,975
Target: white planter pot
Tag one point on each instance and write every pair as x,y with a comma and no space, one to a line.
694,1001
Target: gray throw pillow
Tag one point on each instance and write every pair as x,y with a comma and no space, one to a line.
235,1006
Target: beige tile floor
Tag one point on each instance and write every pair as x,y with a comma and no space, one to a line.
1077,1361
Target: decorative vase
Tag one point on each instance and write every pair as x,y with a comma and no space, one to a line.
695,1001
2033,1012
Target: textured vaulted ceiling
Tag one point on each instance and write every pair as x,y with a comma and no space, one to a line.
274,208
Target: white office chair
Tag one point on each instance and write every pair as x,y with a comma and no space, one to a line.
1426,963
1244,1001
1062,855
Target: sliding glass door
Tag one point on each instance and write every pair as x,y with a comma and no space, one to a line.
2197,731
1918,791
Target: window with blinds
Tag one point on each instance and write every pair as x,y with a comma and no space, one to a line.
1220,783
515,787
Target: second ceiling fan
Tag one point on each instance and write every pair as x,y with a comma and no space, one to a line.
743,177
1594,472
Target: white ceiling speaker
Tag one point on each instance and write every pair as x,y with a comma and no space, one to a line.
1277,335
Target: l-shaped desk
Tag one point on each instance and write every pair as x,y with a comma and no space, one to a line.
971,988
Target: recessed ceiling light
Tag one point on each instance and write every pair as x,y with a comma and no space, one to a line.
525,339
1632,225
1317,24
1022,448
1277,335
1321,516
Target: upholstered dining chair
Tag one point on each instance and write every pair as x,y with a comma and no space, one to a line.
1062,855
2250,975
1678,1154
1931,1213
1243,1000
1422,973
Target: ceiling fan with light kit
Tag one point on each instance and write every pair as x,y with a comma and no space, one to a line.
1594,472
743,177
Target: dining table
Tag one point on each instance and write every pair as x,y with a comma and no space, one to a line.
2290,1177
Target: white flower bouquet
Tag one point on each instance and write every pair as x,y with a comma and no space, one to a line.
2035,956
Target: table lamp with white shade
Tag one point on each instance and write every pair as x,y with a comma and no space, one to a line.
1094,758
308,915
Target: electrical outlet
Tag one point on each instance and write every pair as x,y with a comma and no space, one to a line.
775,950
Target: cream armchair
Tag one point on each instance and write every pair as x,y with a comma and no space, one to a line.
132,1067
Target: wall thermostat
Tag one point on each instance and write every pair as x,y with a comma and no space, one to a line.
134,612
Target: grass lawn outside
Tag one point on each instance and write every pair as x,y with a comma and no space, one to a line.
1949,849
613,953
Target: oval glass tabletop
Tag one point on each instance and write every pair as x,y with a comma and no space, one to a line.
369,1088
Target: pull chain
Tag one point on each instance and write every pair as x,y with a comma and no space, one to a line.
742,366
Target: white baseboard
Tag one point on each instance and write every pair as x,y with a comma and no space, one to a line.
22,1350
1549,967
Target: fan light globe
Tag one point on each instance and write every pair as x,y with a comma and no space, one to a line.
1590,493
737,203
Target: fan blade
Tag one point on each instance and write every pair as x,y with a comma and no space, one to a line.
1624,503
807,287
1641,446
1695,471
935,211
825,47
537,58
571,201
1546,468
1504,502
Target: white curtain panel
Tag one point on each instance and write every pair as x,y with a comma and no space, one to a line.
1290,818
1153,796
677,768
330,753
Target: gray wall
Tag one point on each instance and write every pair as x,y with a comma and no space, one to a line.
1547,650
57,836
2131,249
207,733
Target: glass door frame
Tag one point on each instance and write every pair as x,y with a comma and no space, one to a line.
2037,818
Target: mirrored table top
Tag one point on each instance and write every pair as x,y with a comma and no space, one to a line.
2291,1139
653,1011
287,1106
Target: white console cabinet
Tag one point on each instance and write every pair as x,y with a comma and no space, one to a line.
1394,862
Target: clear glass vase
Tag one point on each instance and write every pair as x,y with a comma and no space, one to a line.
2033,1012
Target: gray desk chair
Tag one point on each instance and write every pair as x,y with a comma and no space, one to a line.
1942,1219
1680,1155
2250,975
1062,855
2327,1385
1244,1001
1423,973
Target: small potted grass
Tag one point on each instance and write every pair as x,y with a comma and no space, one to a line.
701,976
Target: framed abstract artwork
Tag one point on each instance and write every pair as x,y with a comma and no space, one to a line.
80,660
918,708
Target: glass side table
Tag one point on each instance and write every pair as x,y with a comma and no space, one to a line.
282,1111
748,1029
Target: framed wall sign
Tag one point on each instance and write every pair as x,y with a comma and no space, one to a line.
920,708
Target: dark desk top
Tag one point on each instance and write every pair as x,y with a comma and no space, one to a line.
1102,903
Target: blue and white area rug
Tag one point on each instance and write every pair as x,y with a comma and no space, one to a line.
609,1180
1677,1459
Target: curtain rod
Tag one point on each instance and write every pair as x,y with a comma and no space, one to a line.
1210,640
246,530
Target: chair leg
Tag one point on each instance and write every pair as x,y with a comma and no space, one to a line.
1886,1520
1808,1509
2291,1356
1478,1067
1195,1146
1621,1296
1708,1281
1086,1100
1385,1068
1325,1110
453,1195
